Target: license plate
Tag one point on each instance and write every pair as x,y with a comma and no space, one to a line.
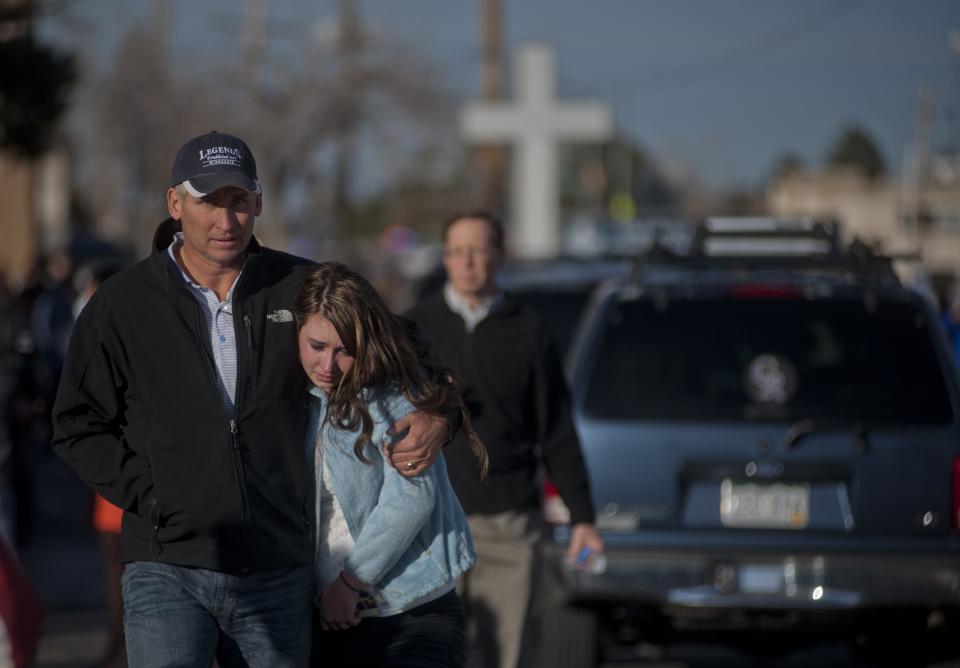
760,579
750,505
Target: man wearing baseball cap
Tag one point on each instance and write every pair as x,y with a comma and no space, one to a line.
182,401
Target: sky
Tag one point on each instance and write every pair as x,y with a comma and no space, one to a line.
716,89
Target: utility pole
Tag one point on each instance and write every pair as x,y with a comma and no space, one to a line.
491,69
162,21
348,105
254,36
17,178
254,74
921,161
492,159
953,119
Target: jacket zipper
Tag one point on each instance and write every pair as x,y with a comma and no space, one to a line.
232,424
244,502
234,428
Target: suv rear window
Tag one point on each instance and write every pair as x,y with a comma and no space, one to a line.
766,359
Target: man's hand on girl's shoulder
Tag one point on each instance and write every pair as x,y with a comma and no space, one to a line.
424,437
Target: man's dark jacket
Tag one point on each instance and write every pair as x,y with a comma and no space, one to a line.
139,417
514,388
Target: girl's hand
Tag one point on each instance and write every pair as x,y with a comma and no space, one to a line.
338,606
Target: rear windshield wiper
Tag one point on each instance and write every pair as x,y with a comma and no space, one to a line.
803,428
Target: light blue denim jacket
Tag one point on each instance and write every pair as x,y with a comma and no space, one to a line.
410,534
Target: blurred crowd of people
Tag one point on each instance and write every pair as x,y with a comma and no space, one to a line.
36,325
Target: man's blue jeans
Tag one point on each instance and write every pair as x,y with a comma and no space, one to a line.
183,617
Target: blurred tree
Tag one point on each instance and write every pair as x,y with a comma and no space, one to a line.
35,81
856,148
621,170
317,114
417,201
352,104
142,109
786,163
740,202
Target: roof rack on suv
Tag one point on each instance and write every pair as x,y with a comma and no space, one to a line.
755,236
758,244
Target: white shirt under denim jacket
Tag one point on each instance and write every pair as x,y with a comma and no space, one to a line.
408,537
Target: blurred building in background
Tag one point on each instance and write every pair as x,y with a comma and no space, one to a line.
906,221
35,221
16,224
34,165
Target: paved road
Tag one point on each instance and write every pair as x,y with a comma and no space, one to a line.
76,640
73,639
63,559
689,656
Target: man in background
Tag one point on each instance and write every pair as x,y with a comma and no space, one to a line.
513,385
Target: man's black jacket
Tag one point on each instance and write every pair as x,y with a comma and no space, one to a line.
513,385
139,417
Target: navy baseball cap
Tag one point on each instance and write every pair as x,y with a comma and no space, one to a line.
213,161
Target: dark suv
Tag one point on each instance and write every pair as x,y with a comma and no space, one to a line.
558,290
774,447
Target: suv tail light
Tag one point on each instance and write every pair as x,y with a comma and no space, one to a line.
764,291
955,501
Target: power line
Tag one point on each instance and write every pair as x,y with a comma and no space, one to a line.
748,54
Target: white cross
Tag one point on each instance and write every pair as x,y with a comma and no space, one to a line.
536,122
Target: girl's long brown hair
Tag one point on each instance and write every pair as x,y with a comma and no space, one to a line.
383,351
